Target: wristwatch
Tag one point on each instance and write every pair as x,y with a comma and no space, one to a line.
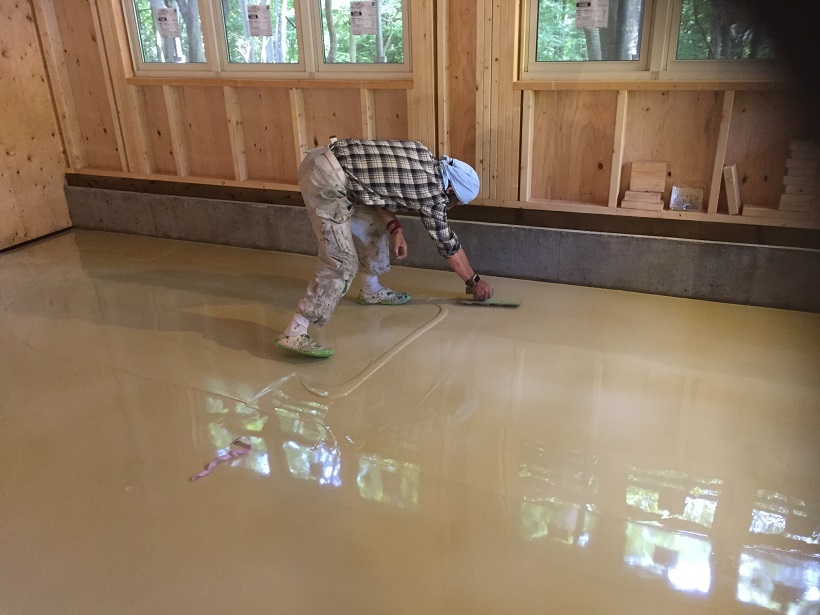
473,281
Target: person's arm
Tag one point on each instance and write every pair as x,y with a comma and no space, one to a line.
458,262
398,245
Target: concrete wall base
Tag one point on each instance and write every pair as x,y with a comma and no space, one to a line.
767,276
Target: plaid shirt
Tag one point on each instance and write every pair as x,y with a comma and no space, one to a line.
398,175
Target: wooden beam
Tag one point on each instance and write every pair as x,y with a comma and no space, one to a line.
443,74
109,86
527,129
638,84
323,84
368,110
720,151
618,148
179,144
52,46
237,133
297,112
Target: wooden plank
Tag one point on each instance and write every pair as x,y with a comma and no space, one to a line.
368,121
269,137
651,197
619,138
297,111
179,143
645,205
113,103
799,199
390,114
159,130
332,113
648,176
206,132
95,116
463,84
574,163
756,211
191,179
128,100
637,85
322,84
804,166
732,189
32,161
807,183
443,74
49,34
527,138
720,152
237,134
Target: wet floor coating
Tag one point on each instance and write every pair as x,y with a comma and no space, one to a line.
592,451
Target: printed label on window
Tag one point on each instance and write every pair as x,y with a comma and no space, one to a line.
363,17
168,22
259,20
592,14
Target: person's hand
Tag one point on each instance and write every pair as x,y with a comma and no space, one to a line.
398,245
482,290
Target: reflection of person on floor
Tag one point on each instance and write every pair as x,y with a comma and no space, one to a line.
352,190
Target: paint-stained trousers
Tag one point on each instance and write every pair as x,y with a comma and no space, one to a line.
346,234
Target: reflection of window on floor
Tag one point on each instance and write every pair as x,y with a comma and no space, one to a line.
557,521
786,516
780,582
392,482
681,559
687,501
318,463
256,459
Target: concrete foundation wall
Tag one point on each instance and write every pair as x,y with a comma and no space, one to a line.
766,276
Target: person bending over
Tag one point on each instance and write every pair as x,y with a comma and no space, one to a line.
352,190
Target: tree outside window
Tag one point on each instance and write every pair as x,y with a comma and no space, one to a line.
720,30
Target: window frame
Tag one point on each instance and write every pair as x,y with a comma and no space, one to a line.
659,42
309,36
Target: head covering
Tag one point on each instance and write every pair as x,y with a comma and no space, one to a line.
461,176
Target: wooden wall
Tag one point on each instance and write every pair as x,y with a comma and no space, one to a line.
561,146
32,162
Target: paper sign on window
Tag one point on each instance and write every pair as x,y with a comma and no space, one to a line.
592,13
168,21
363,17
259,20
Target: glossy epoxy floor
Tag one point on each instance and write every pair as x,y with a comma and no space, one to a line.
590,452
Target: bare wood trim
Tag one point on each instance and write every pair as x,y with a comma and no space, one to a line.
237,134
328,84
653,85
109,86
527,126
190,179
618,147
49,34
133,119
443,71
368,120
483,94
720,151
179,143
297,111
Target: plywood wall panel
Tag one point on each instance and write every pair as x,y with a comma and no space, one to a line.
572,145
159,130
205,124
679,127
462,84
88,83
332,112
32,161
762,125
268,129
391,115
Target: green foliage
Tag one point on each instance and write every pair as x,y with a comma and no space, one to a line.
558,40
716,30
392,34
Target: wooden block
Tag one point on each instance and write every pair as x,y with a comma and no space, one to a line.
732,189
808,203
757,211
648,176
804,150
804,165
801,172
791,189
804,182
652,197
645,205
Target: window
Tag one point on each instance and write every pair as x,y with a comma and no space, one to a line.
644,39
297,37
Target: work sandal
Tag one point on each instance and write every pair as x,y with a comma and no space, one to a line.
305,345
385,296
